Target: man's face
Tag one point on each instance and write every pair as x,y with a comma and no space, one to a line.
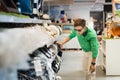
79,29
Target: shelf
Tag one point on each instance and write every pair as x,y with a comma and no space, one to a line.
108,3
62,24
103,67
27,39
104,53
14,19
108,60
103,64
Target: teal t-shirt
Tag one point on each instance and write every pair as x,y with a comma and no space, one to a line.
88,41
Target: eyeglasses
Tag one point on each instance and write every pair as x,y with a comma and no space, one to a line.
79,30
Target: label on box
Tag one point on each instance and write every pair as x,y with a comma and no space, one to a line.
38,68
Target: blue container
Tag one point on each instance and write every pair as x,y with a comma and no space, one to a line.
26,6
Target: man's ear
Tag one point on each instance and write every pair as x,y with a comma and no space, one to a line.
74,20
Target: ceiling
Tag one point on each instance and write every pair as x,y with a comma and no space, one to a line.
59,2
84,0
89,0
96,6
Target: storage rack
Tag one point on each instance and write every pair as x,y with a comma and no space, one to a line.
29,48
109,56
12,25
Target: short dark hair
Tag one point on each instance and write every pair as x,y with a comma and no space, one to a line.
79,22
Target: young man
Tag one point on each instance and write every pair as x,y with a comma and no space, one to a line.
87,39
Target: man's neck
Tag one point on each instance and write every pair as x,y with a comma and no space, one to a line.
85,33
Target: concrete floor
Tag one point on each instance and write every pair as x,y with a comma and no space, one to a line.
71,68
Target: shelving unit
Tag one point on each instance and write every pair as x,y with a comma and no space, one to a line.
109,51
103,58
103,54
22,40
13,19
26,43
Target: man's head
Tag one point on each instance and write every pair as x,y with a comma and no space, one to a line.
80,25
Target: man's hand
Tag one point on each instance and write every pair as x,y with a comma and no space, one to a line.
92,68
59,45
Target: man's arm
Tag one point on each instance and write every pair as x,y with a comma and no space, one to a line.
64,41
94,48
93,60
71,35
